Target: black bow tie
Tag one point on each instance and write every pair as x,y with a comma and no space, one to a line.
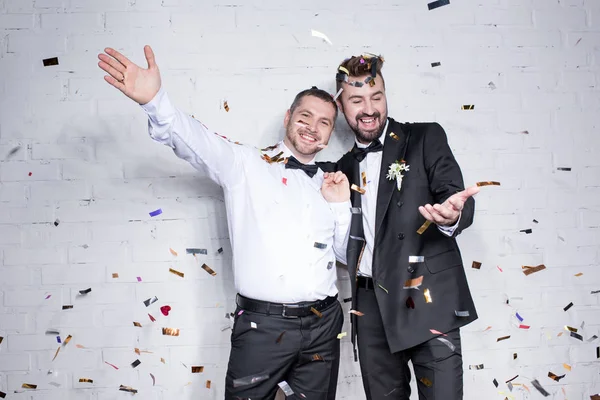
360,153
293,163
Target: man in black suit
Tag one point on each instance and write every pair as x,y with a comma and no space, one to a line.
410,292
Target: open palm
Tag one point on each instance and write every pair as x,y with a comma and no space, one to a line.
137,83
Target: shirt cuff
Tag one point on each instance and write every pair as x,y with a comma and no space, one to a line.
341,211
160,108
449,230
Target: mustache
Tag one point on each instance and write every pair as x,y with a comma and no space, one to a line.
374,115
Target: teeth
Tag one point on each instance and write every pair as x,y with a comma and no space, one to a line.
308,137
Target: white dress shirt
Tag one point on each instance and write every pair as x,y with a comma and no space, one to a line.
275,215
371,165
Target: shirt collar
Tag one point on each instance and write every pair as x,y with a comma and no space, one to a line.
288,153
381,138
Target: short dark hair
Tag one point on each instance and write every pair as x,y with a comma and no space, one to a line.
360,66
318,93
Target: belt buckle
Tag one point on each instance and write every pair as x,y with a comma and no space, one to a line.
285,307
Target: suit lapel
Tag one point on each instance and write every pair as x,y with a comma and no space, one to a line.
394,149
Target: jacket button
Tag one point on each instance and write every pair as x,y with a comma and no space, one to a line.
410,269
400,203
401,236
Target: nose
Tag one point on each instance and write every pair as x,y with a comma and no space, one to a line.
369,109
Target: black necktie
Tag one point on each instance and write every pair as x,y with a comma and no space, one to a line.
293,163
361,153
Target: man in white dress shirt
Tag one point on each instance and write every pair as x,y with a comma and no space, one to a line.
286,217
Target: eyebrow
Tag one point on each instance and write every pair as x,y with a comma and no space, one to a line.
311,114
356,96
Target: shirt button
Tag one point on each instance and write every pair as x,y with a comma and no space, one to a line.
410,269
400,203
401,236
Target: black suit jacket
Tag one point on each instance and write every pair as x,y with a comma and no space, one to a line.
433,176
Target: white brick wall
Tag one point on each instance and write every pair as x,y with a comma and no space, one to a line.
94,168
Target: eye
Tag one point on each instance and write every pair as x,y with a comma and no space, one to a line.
305,115
355,101
377,98
325,123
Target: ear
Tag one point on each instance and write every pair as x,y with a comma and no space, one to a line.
286,120
339,104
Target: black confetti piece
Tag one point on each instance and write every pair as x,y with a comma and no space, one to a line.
348,300
568,306
136,363
196,251
495,382
67,307
330,265
85,291
535,221
595,291
147,302
13,151
576,336
468,107
564,168
220,250
435,64
539,387
48,62
527,231
56,222
320,245
438,3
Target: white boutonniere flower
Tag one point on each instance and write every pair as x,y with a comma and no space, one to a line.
396,172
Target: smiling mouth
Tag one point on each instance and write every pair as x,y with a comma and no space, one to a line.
368,122
308,138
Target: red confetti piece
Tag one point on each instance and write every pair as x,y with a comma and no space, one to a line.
284,180
165,310
114,366
524,326
500,269
152,318
30,174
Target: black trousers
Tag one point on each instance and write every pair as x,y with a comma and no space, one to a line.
386,375
304,352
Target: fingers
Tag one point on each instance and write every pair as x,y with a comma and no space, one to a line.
339,177
149,56
457,204
115,83
120,57
445,212
113,63
433,215
112,71
468,192
426,214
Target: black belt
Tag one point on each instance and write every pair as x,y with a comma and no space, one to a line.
294,310
365,282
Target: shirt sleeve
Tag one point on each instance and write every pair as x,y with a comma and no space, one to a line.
342,215
194,142
449,230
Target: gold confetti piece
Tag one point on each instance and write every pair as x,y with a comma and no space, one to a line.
280,337
567,367
29,386
137,351
394,136
569,328
197,370
86,380
426,382
80,346
344,70
68,339
208,269
170,331
316,312
357,189
579,274
427,295
487,329
479,366
162,360
502,338
67,307
527,270
413,283
115,275
208,384
364,178
555,377
423,227
180,274
559,334
476,265
468,107
56,354
127,389
341,335
360,314
137,324
382,288
317,357
226,106
173,252
488,183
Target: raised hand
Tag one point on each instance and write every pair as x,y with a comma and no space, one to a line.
335,187
447,213
137,83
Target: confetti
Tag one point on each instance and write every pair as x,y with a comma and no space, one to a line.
68,339
576,43
413,283
435,64
58,339
555,377
341,335
137,324
149,301
197,370
519,317
339,92
461,313
499,269
330,265
579,274
155,212
112,365
530,270
364,178
320,35
2,395
479,366
357,189
226,106
568,306
67,307
524,326
488,183
447,343
151,317
563,168
394,136
180,274
437,332
316,312
569,328
162,360
317,357
576,336
468,107
487,329
48,296
438,3
280,337
173,252
48,62
320,245
153,379
512,379
415,259
29,386
358,313
495,382
287,390
410,303
476,265
253,325
115,275
165,310
423,227
86,380
595,291
492,85
220,250
56,222
502,338
567,367
514,356
384,289
208,269
539,387
592,338
170,331
426,382
80,346
208,384
355,210
127,389
85,291
139,278
527,231
427,295
249,380
196,251
284,181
